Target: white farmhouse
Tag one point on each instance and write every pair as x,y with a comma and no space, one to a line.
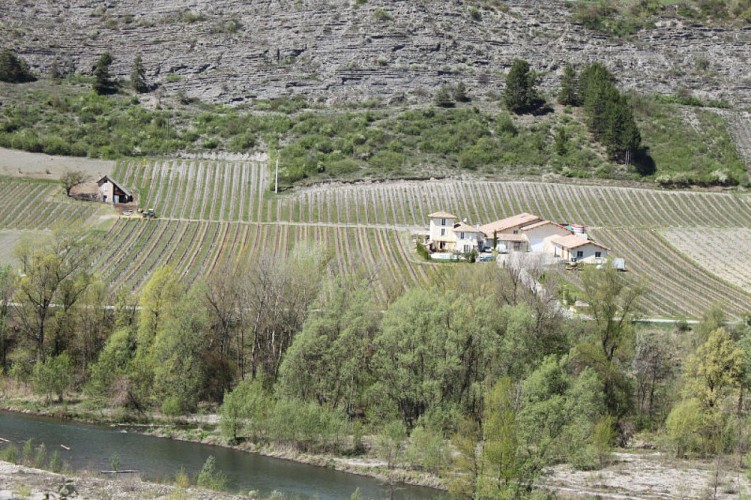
468,238
540,235
441,236
579,249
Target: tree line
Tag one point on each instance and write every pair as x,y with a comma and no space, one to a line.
481,379
608,112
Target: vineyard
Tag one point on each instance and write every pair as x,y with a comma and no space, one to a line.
211,212
725,253
38,205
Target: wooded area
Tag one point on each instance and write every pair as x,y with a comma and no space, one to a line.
484,382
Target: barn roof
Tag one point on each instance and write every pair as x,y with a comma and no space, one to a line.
107,178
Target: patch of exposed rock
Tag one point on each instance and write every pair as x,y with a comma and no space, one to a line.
17,481
233,51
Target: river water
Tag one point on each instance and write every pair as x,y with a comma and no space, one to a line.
93,446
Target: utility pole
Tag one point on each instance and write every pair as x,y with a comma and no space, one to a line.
276,177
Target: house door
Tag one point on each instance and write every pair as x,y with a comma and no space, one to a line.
116,198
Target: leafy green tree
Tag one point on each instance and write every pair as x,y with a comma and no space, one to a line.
54,271
683,427
72,178
13,69
103,82
613,302
178,366
113,365
53,376
328,361
432,349
138,76
390,442
7,280
244,410
520,94
716,371
500,452
569,92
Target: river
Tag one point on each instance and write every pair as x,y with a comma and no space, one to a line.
93,446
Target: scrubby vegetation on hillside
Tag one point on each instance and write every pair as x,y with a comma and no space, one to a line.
317,143
622,18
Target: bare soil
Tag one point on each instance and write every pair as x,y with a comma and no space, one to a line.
41,166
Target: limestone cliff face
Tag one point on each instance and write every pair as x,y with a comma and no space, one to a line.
333,50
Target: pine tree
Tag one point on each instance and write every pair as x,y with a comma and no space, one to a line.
138,76
520,94
13,69
569,93
103,83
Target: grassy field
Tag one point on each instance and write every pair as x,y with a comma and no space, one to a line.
211,212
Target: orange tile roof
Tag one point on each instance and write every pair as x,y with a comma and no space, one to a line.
466,228
540,224
508,223
572,241
442,215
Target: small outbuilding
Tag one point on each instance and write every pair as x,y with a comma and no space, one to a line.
111,191
579,249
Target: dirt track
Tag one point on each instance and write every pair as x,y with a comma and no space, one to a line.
41,166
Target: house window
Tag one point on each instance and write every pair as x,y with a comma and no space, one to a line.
579,254
443,231
443,222
517,246
461,236
516,231
598,254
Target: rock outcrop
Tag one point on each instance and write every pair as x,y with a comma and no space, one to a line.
232,51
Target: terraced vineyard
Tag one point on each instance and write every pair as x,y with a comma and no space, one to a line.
195,248
211,211
723,252
197,190
38,205
408,203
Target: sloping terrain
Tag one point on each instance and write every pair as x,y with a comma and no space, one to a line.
232,51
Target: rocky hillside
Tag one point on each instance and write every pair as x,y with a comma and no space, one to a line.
339,50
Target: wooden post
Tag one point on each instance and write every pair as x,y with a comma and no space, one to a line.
276,176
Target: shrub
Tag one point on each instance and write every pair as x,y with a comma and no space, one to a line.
683,426
210,477
54,376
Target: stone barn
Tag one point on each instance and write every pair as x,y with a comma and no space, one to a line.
110,191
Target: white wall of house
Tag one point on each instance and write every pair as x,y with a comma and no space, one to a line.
589,253
539,237
105,191
441,229
467,241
